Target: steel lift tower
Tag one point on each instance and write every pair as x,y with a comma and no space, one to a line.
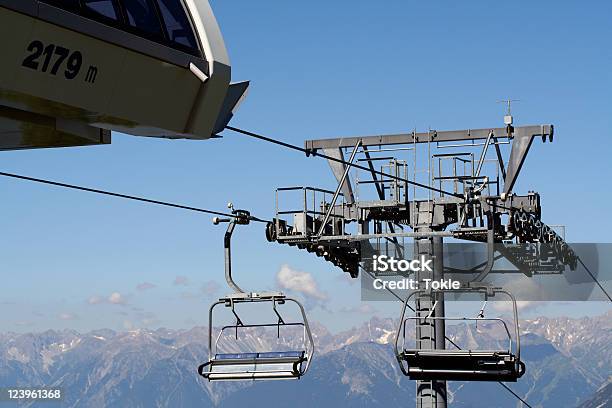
463,189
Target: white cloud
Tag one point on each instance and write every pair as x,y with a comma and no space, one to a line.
145,286
95,300
298,281
346,278
116,298
362,308
521,305
181,281
67,316
210,288
147,319
149,322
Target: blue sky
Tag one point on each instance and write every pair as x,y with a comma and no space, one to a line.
318,69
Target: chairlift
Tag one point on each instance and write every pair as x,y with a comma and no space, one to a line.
457,364
259,365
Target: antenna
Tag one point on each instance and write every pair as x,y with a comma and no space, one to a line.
508,116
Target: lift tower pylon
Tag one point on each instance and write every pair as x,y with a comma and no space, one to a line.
430,333
466,192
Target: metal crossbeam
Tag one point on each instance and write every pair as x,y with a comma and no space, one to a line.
424,137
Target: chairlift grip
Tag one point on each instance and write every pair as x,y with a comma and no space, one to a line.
242,217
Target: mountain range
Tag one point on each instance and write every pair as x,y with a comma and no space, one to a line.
568,365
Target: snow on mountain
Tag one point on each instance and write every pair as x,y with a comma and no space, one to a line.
567,361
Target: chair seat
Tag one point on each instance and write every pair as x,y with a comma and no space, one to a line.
268,354
460,354
271,356
463,365
281,354
235,356
254,366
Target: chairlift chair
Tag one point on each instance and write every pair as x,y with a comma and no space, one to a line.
259,365
457,364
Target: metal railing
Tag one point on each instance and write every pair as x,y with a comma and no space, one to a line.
315,203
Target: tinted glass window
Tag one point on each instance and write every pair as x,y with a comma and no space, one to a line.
141,14
71,5
104,8
177,24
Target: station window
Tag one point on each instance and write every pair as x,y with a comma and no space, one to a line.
142,16
106,9
177,24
